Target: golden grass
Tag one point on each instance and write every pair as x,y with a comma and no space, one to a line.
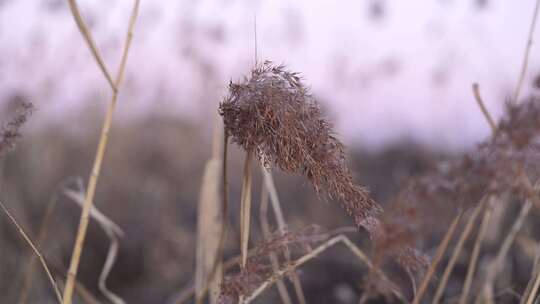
103,140
209,224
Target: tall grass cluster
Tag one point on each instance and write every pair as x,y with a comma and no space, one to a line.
457,232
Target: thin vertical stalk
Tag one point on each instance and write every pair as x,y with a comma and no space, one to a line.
278,213
476,252
265,227
525,62
438,257
103,140
36,251
455,254
245,214
245,210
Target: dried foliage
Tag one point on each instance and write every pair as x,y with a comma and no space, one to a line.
495,167
258,269
11,130
272,112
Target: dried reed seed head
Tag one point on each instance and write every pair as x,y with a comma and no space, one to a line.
492,168
11,130
258,269
273,113
521,123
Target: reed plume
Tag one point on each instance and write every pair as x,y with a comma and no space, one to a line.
273,112
10,133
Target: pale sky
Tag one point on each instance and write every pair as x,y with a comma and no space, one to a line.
404,75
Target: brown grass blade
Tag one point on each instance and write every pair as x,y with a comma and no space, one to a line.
245,209
83,28
245,212
209,225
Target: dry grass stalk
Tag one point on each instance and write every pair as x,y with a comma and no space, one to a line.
92,183
217,267
292,266
456,252
113,232
534,291
245,212
185,294
209,225
83,28
85,295
314,253
362,257
534,274
438,257
36,252
280,219
43,232
245,209
526,55
265,227
534,282
497,264
476,251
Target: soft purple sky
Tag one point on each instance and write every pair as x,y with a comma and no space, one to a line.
405,75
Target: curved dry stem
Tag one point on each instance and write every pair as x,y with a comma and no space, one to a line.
107,267
113,231
438,257
92,183
482,105
36,251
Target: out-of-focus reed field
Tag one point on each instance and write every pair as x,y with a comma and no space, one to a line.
265,204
